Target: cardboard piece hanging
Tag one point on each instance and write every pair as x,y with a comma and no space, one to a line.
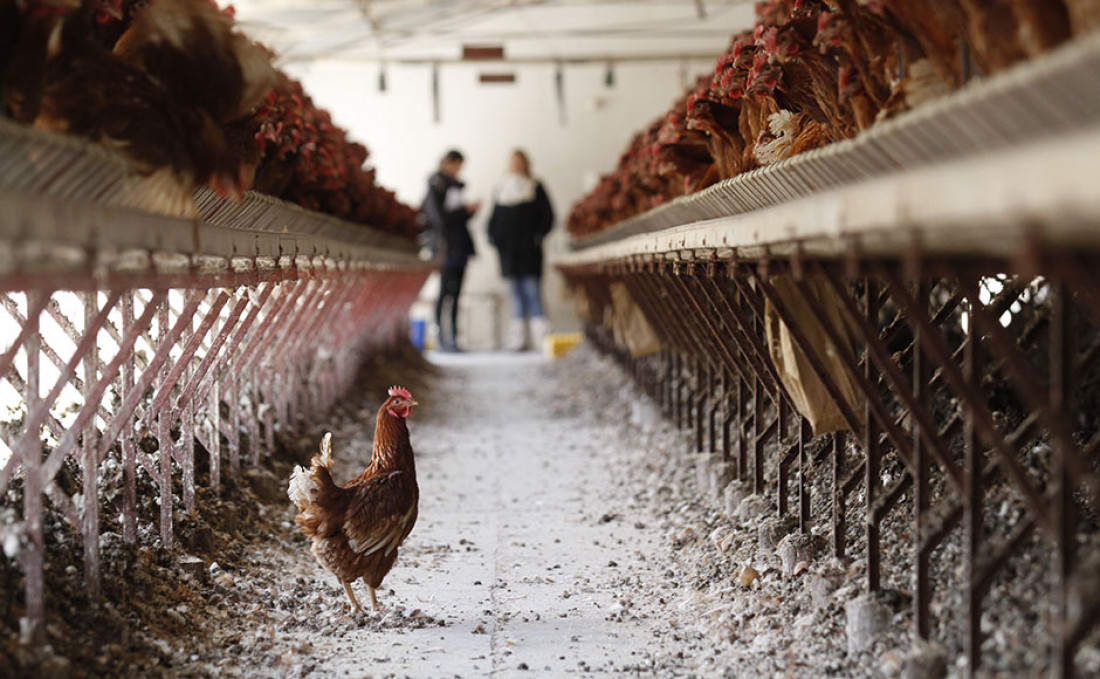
630,325
806,389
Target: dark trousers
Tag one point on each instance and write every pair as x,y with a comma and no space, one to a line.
450,286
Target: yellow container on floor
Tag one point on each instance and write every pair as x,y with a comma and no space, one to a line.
558,344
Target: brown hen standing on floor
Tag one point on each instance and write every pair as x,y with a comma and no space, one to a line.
356,528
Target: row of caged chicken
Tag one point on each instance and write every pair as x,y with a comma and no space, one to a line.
189,100
817,71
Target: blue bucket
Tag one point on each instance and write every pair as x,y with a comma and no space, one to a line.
417,332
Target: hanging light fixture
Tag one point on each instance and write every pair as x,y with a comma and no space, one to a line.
609,76
382,77
559,90
435,92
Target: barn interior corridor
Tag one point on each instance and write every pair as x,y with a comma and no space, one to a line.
750,338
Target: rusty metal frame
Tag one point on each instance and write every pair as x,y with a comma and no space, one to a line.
276,308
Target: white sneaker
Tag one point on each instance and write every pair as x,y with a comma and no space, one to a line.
516,337
432,337
540,328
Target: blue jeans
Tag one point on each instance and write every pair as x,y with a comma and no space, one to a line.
526,298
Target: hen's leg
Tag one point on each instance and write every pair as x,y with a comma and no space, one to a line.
351,595
374,599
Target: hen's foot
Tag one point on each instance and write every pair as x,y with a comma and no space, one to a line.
355,608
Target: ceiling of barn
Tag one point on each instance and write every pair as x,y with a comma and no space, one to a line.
529,30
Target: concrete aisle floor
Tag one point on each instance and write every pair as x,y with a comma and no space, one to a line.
521,550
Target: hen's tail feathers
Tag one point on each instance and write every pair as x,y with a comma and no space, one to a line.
305,485
325,457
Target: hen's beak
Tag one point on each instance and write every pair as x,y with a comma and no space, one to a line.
414,402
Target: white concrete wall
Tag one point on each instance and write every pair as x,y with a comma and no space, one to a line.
485,122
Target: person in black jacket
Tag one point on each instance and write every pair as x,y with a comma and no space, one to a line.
447,214
522,216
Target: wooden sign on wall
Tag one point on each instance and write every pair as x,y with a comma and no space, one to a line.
497,78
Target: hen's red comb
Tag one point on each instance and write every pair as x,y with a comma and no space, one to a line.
400,391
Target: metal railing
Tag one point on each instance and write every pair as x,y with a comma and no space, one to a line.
921,349
135,342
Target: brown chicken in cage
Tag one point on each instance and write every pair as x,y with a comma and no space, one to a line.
814,72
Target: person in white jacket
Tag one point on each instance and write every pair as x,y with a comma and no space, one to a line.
522,216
